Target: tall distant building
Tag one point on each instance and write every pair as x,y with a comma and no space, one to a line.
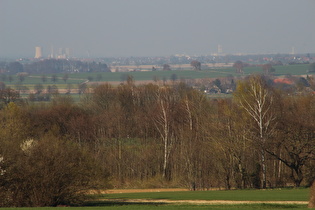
60,53
67,52
220,49
52,52
292,50
38,52
63,53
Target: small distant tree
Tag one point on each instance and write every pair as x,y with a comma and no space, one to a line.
99,77
268,69
130,80
48,89
21,77
166,67
54,78
173,77
54,89
82,88
65,77
217,83
239,66
44,78
196,65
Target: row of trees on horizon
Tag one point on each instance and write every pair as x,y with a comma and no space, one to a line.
53,66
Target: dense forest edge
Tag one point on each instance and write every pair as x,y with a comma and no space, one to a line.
156,135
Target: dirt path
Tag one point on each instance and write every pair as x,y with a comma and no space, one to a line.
144,190
201,202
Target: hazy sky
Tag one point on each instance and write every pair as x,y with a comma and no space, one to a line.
156,27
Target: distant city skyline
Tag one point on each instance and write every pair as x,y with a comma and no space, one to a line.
122,28
63,53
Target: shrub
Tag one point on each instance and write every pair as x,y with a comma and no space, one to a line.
49,172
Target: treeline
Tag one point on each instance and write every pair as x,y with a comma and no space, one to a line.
157,136
52,66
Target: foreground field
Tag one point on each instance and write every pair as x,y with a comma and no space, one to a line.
233,199
187,207
234,195
174,207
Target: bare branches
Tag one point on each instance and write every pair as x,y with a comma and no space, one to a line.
256,99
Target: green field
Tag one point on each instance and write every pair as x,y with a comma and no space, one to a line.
77,78
197,207
173,207
300,69
236,195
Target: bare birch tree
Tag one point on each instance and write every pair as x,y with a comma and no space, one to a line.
257,100
163,123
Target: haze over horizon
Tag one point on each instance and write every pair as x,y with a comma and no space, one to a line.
113,28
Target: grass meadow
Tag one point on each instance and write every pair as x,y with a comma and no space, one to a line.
77,78
174,207
100,201
235,195
301,194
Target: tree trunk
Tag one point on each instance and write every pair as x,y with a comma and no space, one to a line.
165,157
227,182
311,203
264,171
298,176
242,172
